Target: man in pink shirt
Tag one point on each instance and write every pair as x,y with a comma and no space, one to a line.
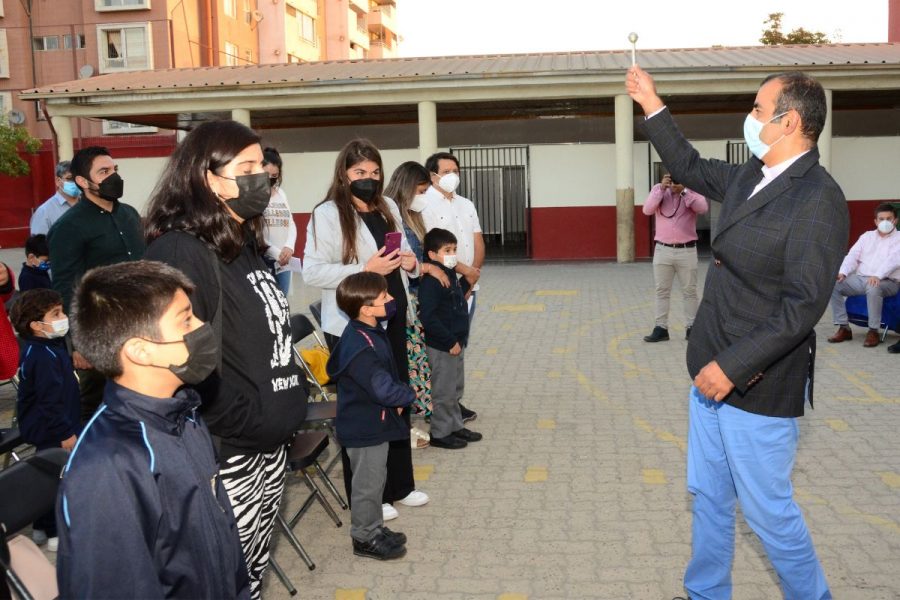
872,267
676,209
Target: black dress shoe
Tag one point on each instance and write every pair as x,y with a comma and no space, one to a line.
468,435
395,537
467,415
451,442
380,547
687,333
894,348
659,334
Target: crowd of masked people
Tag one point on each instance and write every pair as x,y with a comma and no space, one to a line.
156,349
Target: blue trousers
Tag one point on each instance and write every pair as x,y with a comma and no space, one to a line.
734,455
284,283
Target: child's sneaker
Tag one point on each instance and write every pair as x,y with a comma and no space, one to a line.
52,544
39,537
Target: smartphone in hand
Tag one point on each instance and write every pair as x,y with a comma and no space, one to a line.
391,242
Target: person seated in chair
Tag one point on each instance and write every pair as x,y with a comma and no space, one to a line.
872,267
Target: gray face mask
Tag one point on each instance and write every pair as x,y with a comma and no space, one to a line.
203,355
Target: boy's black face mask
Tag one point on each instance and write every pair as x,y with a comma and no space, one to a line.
203,355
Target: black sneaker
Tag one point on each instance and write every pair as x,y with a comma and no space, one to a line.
659,334
395,537
380,547
467,415
467,435
894,348
451,442
687,333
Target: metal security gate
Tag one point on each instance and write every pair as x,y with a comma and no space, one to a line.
496,179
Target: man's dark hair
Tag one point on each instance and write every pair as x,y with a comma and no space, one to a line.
886,207
271,156
432,163
358,290
115,303
804,94
30,306
83,161
183,200
63,167
37,245
436,239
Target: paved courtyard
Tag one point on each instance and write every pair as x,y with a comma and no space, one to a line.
577,490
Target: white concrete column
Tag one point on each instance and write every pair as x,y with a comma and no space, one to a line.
427,130
241,115
65,146
825,137
624,179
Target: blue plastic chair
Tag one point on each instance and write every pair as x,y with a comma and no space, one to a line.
858,313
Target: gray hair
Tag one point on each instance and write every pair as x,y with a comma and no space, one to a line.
63,167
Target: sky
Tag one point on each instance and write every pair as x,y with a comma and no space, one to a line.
452,27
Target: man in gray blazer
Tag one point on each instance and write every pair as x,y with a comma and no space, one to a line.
781,235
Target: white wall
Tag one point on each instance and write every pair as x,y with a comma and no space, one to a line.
867,168
140,176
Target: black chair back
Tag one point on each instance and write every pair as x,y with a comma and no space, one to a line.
301,328
316,309
28,488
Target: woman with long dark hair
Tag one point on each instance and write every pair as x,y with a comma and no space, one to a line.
347,234
205,218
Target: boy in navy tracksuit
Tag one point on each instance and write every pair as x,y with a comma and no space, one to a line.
370,398
36,268
445,319
141,511
49,403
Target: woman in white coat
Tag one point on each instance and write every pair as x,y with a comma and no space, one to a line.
346,235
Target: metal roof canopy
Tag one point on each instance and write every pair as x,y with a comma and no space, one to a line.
470,87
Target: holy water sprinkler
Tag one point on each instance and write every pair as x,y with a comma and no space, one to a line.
633,38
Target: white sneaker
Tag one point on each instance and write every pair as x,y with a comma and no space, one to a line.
415,498
388,512
39,537
52,544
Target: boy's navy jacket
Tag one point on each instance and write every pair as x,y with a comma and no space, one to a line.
444,312
368,388
49,402
142,512
32,278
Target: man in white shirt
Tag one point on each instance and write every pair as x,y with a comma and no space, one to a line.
445,209
871,268
67,194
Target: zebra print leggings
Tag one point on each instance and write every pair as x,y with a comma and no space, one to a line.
255,483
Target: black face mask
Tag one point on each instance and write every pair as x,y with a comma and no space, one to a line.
111,188
364,189
203,355
253,195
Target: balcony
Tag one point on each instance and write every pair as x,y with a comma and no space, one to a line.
358,35
382,16
359,6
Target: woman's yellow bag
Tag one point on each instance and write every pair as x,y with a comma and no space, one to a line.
316,358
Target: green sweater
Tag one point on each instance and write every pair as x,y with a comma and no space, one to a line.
87,236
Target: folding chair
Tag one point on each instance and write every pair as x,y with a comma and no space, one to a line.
10,439
304,451
27,491
858,313
316,310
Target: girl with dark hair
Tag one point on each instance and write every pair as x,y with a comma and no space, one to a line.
280,231
348,233
205,218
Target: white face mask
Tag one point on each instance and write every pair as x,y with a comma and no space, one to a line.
885,227
418,203
449,182
752,129
59,328
450,261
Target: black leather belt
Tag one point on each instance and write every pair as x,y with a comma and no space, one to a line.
692,244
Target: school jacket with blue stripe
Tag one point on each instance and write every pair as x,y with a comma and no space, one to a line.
49,402
141,510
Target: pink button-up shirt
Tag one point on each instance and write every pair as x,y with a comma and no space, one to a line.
676,216
875,255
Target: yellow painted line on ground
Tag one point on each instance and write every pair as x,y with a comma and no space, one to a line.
661,434
348,594
546,424
619,355
491,351
864,374
517,308
535,474
506,327
837,424
554,374
562,350
890,479
564,314
849,511
872,396
653,476
556,293
510,596
422,472
478,374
